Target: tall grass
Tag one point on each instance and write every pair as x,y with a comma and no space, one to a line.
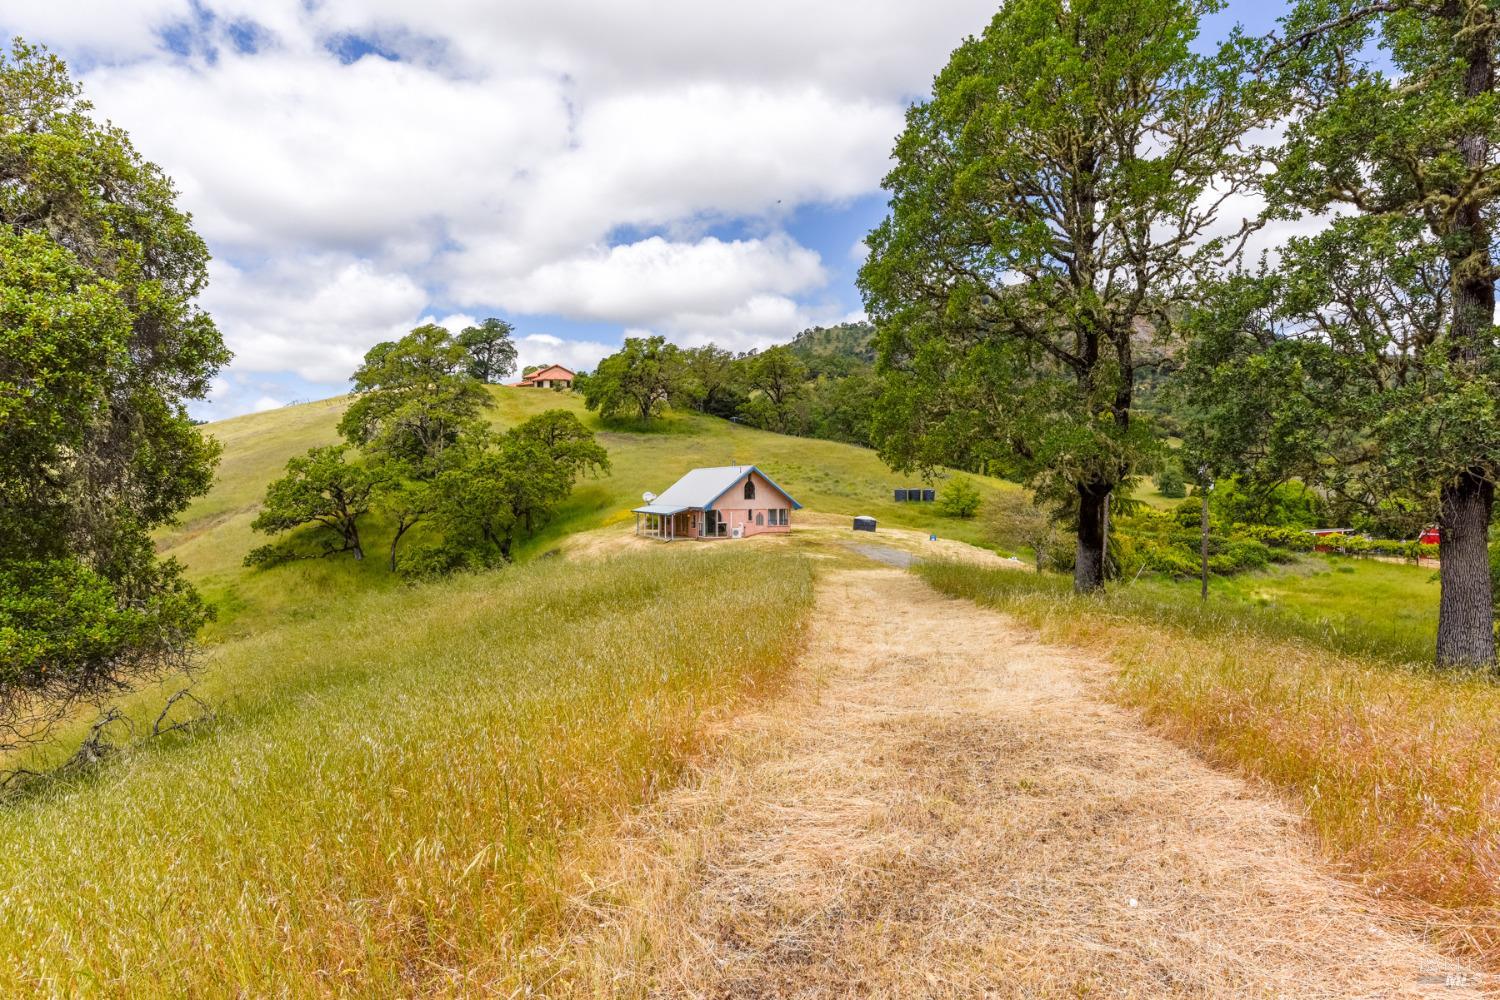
1363,606
1393,763
381,807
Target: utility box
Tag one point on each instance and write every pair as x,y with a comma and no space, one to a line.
863,523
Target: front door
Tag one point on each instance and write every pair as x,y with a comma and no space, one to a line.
712,526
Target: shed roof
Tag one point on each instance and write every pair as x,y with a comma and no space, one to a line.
701,487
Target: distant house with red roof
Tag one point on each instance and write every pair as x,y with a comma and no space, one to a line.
547,377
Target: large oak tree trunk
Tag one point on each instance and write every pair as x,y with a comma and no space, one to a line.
1088,564
1466,614
1466,617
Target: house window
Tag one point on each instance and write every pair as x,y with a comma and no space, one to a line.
760,519
749,489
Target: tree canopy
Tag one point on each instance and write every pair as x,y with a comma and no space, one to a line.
1052,203
492,354
505,487
641,379
321,487
415,396
101,343
779,376
715,378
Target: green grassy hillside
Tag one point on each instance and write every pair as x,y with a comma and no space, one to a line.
395,774
1391,607
1387,601
215,533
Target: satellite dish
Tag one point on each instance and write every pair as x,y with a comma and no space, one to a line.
648,496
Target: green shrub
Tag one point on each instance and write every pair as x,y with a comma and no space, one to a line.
1359,545
1276,536
1170,482
1162,543
1403,550
1171,561
960,498
1246,554
433,560
1189,513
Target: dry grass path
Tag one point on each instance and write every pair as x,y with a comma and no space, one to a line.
944,808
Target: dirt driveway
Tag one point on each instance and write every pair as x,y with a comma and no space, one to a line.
944,808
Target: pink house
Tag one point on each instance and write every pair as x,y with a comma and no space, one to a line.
731,501
547,377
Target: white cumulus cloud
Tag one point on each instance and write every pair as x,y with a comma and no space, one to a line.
643,282
314,317
358,164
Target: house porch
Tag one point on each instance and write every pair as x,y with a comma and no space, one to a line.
665,527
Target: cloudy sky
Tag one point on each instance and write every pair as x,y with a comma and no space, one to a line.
586,169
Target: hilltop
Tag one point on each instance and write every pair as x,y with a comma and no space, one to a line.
854,341
825,476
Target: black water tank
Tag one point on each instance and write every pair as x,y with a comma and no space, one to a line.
929,495
864,523
900,496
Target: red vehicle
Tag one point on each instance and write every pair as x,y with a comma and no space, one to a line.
1429,535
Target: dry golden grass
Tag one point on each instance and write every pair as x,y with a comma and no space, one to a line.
1393,767
810,531
944,808
381,806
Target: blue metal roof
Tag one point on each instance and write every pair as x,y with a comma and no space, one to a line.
701,488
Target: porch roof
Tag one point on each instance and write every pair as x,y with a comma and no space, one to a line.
659,508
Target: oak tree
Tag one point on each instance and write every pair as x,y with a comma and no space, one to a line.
492,354
1051,203
414,397
716,381
640,379
1368,362
321,488
101,343
504,486
780,377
